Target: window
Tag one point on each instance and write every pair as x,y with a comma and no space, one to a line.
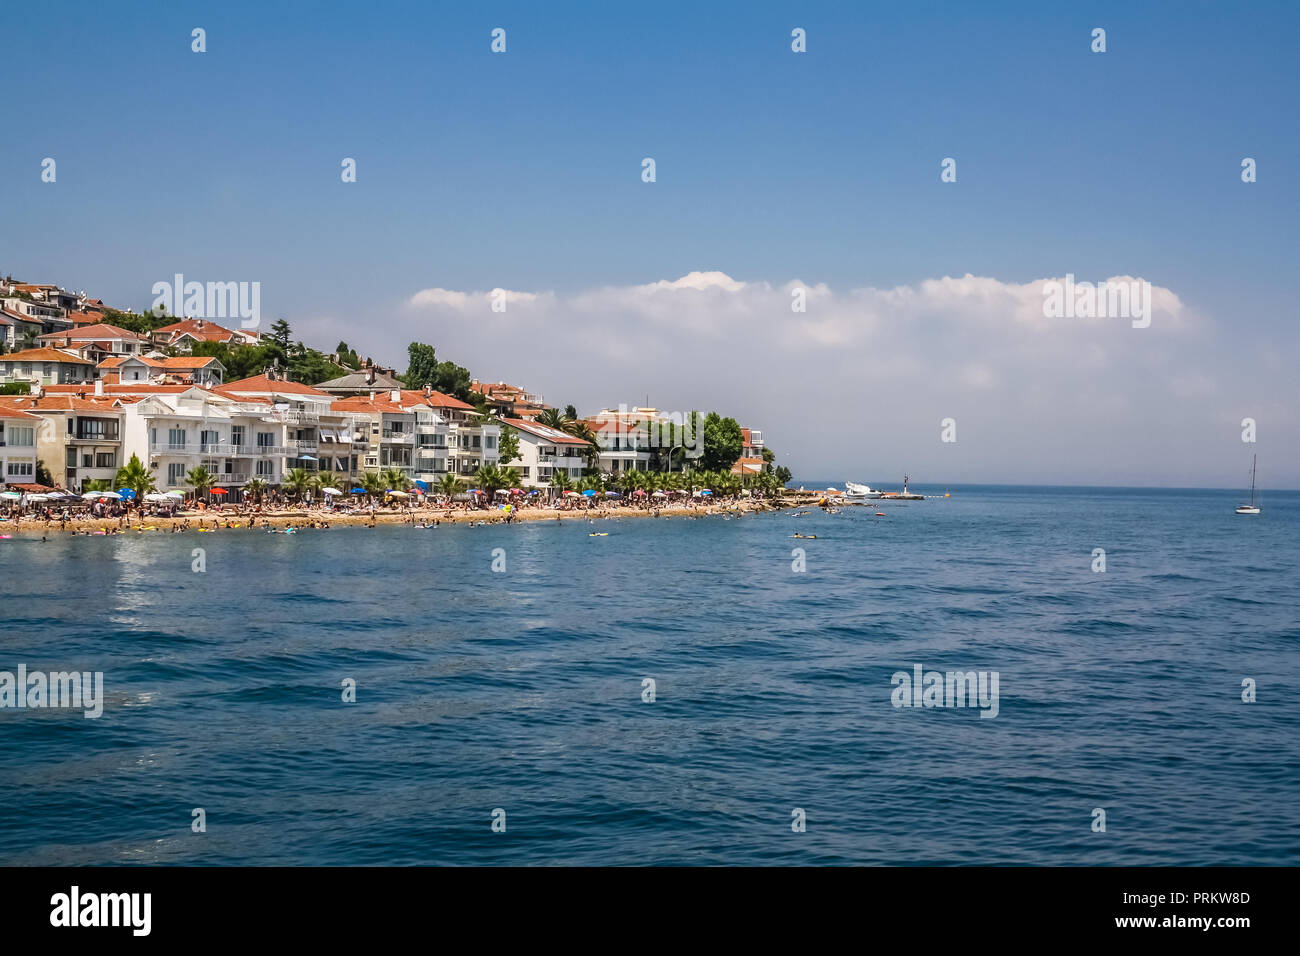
21,435
237,435
265,469
265,439
20,469
176,438
87,460
71,461
99,429
104,459
209,437
175,473
489,441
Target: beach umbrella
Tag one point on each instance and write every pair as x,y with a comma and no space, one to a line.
102,494
358,491
705,491
572,494
399,494
175,494
155,496
534,492
658,494
423,486
126,493
330,491
589,493
502,491
218,491
38,497
10,495
638,492
612,494
308,458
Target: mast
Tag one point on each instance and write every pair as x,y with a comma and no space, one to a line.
1252,479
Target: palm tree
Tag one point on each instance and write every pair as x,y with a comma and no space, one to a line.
489,478
96,484
552,418
560,482
329,479
135,476
396,479
450,485
258,487
201,480
373,483
298,482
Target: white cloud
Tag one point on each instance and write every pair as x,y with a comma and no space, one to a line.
857,384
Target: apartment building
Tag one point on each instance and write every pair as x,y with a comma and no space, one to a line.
78,440
174,429
162,370
385,431
45,366
17,446
318,437
103,338
544,451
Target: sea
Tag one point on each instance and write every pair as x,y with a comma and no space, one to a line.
672,691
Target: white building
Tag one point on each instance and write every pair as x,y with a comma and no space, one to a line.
543,451
175,431
17,446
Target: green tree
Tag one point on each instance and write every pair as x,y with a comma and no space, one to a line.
450,485
257,488
373,483
508,444
421,366
298,482
201,480
135,476
280,334
396,479
723,443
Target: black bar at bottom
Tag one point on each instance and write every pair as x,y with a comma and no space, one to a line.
372,904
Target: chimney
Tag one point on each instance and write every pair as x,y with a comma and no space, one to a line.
397,397
200,325
372,394
370,374
428,390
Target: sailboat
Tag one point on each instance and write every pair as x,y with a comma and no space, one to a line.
1250,509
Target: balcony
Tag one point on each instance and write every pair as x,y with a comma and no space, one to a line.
297,417
399,438
94,439
304,446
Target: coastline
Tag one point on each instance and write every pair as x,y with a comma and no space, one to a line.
312,520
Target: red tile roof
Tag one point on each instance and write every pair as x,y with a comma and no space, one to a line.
44,355
260,383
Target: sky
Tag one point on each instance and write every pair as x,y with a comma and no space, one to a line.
774,171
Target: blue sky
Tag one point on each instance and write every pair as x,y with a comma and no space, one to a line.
522,170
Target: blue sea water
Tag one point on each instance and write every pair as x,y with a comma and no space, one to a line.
522,690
